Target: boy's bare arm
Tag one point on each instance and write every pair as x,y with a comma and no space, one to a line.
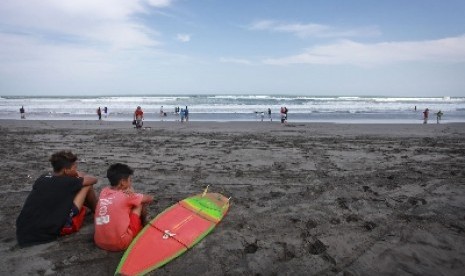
147,198
88,180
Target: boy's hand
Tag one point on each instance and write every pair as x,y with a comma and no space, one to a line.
147,198
88,180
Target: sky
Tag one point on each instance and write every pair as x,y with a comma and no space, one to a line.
296,47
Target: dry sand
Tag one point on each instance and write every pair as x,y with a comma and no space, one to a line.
307,199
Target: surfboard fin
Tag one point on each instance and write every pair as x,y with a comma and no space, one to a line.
226,205
205,191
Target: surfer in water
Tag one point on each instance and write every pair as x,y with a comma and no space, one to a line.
120,211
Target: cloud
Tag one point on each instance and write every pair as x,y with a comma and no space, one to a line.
160,3
183,37
85,39
108,24
449,50
313,30
235,60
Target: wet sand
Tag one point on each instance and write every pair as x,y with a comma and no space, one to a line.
307,199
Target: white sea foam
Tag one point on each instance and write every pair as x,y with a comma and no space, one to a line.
236,107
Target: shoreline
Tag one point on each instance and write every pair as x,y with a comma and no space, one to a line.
236,125
307,198
339,118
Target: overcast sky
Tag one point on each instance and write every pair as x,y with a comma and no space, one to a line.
310,47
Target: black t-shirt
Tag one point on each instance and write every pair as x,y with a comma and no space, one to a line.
46,209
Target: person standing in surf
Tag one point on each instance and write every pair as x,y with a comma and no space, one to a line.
121,212
186,114
22,112
283,115
425,116
56,205
139,117
99,113
439,116
183,115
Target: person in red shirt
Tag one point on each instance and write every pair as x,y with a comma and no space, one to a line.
120,212
138,117
425,116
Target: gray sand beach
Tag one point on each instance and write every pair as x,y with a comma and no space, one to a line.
307,199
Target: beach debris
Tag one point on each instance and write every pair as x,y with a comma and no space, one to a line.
342,202
416,200
369,225
317,247
251,248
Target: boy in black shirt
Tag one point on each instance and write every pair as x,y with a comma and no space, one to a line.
55,205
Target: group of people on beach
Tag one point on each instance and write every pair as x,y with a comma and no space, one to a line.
283,114
99,112
59,201
426,115
184,114
138,117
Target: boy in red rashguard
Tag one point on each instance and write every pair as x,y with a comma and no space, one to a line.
120,212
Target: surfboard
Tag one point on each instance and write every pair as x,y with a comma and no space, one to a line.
173,232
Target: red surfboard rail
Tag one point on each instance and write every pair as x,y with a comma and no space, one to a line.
173,232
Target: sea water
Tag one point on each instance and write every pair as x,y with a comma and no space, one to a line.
226,108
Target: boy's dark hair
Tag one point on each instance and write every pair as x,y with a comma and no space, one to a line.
62,160
118,171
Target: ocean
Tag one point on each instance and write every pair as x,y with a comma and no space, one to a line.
224,108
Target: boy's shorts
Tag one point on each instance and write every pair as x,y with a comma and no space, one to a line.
135,224
74,221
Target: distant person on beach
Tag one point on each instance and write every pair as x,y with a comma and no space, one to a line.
183,115
269,115
121,212
283,114
22,111
161,111
186,114
425,116
56,204
176,112
138,117
439,116
105,111
262,115
99,113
